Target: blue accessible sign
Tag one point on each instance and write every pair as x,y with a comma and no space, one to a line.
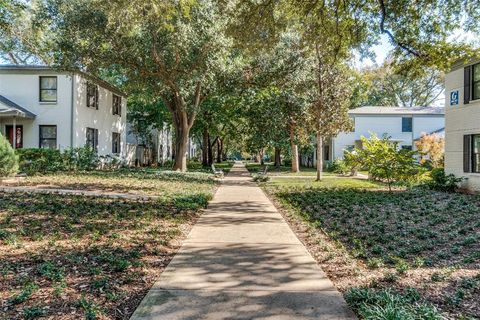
454,98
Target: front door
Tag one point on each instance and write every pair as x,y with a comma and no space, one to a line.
9,134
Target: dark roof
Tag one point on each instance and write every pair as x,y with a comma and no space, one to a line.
14,67
13,106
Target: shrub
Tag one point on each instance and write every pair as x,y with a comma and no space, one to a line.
336,166
8,158
431,148
34,161
353,161
386,162
443,182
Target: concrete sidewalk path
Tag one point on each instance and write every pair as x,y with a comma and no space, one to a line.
242,261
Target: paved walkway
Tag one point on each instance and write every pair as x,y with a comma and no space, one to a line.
242,261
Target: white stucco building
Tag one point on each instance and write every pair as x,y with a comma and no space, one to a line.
403,125
462,118
47,108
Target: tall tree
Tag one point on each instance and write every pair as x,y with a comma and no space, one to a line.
390,86
173,49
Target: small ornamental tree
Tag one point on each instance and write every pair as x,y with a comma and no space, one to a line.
386,162
8,158
431,148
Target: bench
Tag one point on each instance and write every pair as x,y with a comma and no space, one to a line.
217,173
264,171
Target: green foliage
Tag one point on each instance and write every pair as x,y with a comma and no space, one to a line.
353,161
396,227
8,159
33,313
443,182
388,304
34,161
24,294
92,310
336,166
385,161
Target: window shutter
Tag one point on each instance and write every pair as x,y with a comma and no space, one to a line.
467,76
96,97
467,154
96,139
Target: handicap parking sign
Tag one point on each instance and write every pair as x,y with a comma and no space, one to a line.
454,98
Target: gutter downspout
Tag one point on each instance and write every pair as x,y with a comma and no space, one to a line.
71,111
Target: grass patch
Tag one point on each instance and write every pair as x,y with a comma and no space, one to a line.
369,237
74,257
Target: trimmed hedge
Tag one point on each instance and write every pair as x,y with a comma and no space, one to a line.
34,161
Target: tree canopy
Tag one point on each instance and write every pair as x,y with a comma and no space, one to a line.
267,74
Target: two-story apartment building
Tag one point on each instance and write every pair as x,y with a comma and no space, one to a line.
462,117
41,107
404,125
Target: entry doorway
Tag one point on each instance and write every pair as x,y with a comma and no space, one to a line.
9,134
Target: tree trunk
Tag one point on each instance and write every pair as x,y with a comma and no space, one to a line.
319,156
210,151
219,151
182,130
205,147
278,160
262,161
294,147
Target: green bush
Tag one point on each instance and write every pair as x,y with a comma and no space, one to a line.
8,159
385,161
35,161
443,182
353,161
336,166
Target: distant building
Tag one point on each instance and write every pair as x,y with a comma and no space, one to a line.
462,130
403,125
41,107
156,147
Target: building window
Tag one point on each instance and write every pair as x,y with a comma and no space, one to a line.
471,153
48,89
92,138
92,95
117,105
349,148
409,148
115,142
475,158
476,81
48,137
407,124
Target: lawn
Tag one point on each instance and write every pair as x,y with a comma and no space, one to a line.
75,257
283,170
408,254
152,182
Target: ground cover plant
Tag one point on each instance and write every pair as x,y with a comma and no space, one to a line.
406,254
74,257
255,167
152,182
